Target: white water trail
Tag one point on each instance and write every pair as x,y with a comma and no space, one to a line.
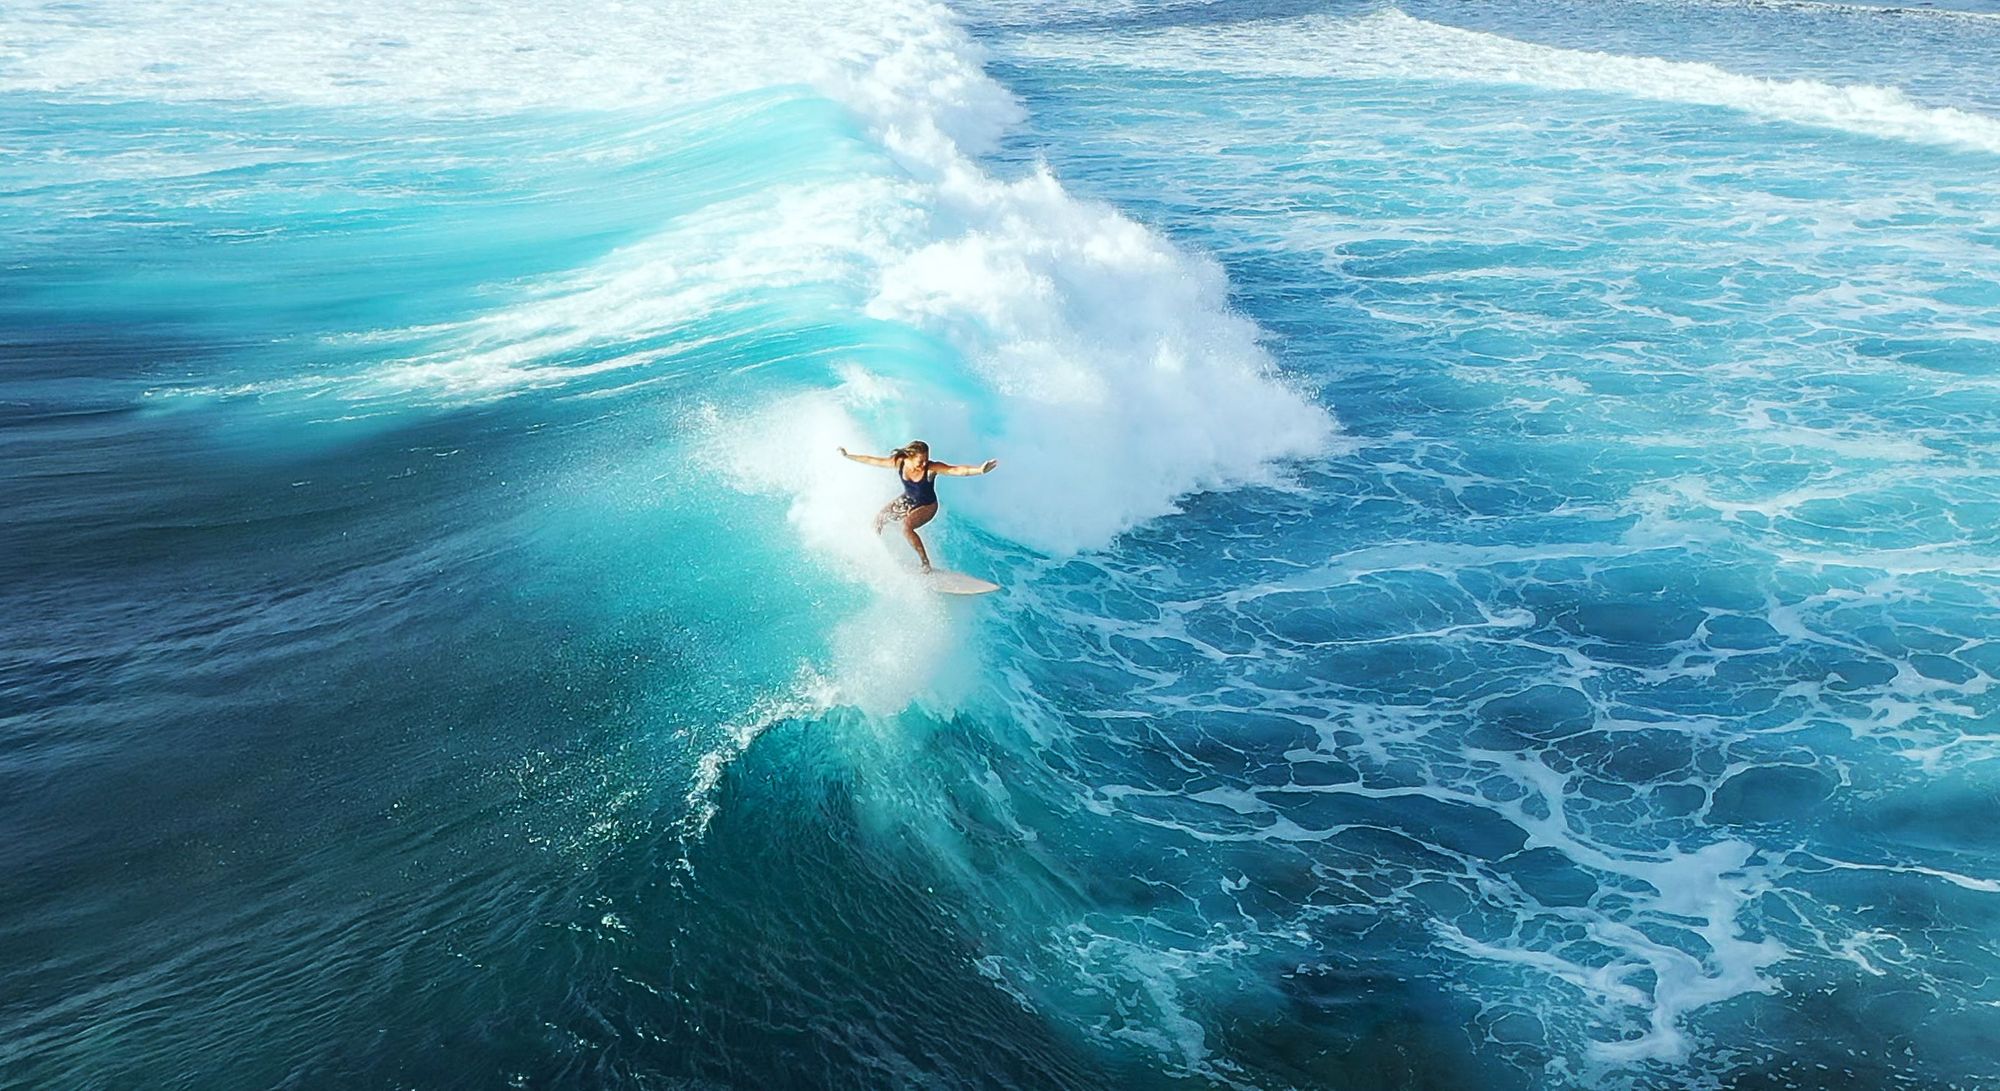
1392,45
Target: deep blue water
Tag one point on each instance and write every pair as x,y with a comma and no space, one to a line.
1499,513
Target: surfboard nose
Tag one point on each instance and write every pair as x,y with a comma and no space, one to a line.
958,583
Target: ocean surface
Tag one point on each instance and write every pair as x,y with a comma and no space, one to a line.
1498,507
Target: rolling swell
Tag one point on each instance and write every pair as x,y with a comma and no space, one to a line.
451,657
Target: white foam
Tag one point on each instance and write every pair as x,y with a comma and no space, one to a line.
1698,892
1122,380
1871,10
1967,882
1393,45
465,57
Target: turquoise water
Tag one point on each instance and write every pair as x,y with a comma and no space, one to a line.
1499,514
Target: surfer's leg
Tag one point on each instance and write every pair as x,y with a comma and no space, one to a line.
894,509
916,518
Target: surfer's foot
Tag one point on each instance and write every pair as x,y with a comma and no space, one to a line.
926,570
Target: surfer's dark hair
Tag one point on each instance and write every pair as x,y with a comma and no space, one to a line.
915,446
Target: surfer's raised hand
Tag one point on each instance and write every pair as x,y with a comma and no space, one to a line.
988,465
871,460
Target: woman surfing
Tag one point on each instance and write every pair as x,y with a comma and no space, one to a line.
918,473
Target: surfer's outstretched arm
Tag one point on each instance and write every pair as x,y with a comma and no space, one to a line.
872,460
947,468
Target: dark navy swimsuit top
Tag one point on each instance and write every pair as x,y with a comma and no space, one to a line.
920,492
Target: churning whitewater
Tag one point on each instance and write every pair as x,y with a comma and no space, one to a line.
1498,518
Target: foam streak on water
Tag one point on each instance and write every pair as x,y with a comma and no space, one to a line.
1647,595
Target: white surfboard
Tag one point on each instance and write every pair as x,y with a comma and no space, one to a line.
958,583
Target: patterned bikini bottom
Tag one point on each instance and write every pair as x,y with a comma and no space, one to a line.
900,507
